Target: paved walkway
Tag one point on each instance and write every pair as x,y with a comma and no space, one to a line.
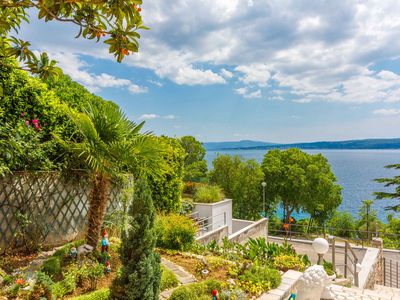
181,274
380,293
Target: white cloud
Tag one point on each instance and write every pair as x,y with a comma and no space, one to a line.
155,116
387,112
248,94
254,74
317,51
226,74
75,68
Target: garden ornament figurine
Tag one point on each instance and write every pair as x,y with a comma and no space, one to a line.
107,269
73,253
105,242
215,295
313,283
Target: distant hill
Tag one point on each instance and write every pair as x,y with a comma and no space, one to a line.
350,144
235,145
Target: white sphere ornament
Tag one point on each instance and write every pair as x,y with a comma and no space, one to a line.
320,245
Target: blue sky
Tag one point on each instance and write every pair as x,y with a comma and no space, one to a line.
280,71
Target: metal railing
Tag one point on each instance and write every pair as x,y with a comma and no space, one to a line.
205,225
357,237
350,264
391,270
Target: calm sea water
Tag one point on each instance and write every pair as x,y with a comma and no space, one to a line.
354,169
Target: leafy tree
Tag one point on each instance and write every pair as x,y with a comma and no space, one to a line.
116,22
195,164
141,274
390,182
301,182
166,188
241,180
108,144
368,219
342,224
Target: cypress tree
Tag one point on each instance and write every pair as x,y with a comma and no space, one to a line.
141,274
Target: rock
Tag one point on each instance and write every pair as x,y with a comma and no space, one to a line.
84,250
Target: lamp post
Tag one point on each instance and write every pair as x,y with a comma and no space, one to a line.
264,184
321,246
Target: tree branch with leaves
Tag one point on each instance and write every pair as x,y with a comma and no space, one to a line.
115,22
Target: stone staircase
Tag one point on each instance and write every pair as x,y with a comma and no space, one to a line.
379,293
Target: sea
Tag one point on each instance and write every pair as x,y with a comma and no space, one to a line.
355,171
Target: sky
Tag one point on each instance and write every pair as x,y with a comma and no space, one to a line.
278,71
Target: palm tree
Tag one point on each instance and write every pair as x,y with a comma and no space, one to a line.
109,144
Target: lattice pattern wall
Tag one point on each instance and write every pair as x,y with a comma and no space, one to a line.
44,208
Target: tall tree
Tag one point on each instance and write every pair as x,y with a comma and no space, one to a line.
109,144
301,182
166,188
241,180
117,22
390,182
140,275
195,164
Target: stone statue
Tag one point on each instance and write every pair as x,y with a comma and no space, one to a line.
312,285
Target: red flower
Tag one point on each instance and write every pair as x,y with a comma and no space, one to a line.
35,121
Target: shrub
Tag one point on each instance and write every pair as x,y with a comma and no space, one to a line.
328,267
196,291
175,232
208,194
259,279
103,294
52,266
288,262
168,279
342,224
186,206
140,275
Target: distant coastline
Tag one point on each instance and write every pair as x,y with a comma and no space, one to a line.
375,144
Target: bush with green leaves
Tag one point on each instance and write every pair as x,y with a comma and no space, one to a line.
196,291
187,206
140,275
52,266
168,279
342,224
288,262
174,231
208,194
259,279
102,294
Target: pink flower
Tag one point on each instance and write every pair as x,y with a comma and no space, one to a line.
27,122
23,114
35,121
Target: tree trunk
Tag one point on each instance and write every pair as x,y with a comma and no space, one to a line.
97,207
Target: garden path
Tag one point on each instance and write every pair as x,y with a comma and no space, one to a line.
181,274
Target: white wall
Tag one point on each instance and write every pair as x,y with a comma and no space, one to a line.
218,214
240,224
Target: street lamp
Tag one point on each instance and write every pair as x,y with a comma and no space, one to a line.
264,184
321,246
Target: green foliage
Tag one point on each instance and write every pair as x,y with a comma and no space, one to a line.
102,294
65,286
328,267
208,194
52,266
195,164
393,183
196,291
342,224
175,232
166,188
117,23
241,181
302,182
187,206
288,262
140,275
168,279
257,280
